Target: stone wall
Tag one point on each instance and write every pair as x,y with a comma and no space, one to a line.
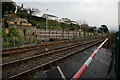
29,30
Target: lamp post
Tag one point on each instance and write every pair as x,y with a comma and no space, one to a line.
46,19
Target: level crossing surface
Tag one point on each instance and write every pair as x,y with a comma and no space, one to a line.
98,68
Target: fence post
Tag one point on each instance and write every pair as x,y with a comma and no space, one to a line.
49,34
73,35
62,34
68,35
56,33
42,35
79,35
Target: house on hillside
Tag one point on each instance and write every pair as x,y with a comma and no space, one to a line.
65,20
50,17
74,22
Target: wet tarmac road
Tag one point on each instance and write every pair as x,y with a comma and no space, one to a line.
97,69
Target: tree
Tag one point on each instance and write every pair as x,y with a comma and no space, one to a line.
104,28
85,27
80,22
71,26
22,13
32,11
62,26
91,30
7,6
99,30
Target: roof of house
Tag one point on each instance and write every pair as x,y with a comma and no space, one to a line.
66,19
50,15
95,27
74,22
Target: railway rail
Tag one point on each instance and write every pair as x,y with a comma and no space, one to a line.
30,48
23,67
36,47
13,54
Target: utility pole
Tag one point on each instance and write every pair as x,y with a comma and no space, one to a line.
46,19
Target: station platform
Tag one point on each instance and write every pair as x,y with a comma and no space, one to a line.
98,68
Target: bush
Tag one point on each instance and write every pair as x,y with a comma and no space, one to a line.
91,30
4,35
24,22
13,33
111,42
12,39
25,31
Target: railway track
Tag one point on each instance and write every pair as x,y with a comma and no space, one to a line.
15,54
11,51
36,47
23,52
22,67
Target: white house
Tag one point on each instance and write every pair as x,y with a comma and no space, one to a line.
74,22
50,17
65,20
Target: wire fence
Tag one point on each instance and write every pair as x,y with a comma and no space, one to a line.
46,36
16,42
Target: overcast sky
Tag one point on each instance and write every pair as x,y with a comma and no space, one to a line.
95,12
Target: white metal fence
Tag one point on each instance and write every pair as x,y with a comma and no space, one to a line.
47,34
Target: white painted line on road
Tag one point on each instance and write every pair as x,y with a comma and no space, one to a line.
61,73
103,61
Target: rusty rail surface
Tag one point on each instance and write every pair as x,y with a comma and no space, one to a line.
12,51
